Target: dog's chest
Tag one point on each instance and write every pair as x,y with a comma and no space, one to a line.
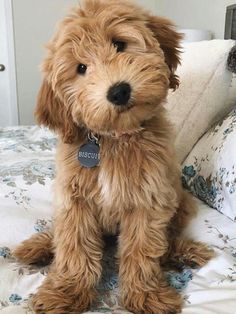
127,176
130,176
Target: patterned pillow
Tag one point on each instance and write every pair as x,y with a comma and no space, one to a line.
209,171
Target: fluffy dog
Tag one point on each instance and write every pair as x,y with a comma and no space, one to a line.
106,77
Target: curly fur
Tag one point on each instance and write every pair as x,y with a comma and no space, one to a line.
231,61
136,190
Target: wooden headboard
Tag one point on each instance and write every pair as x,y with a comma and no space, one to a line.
230,22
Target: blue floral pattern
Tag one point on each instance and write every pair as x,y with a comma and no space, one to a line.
42,225
15,298
209,171
179,281
5,252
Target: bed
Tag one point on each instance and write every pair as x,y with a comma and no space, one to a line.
26,178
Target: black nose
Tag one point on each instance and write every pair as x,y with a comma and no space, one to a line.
119,94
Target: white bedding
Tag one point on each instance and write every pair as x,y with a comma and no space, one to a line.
26,176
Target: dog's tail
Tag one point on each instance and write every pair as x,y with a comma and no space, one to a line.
36,250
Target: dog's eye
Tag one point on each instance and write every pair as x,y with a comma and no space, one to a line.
82,68
119,45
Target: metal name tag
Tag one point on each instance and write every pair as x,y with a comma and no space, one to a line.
89,154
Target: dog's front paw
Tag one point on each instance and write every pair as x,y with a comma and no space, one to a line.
61,300
164,300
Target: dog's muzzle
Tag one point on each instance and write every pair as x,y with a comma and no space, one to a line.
119,94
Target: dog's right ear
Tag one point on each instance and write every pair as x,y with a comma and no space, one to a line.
46,108
52,113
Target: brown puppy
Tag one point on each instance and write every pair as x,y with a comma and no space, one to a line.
106,78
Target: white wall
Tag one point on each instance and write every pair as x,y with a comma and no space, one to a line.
34,22
149,4
200,14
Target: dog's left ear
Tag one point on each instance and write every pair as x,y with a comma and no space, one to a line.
169,40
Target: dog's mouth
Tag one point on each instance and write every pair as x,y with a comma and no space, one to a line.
125,108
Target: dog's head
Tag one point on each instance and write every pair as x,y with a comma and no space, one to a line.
108,68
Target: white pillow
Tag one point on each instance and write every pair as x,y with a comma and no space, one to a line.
209,171
201,99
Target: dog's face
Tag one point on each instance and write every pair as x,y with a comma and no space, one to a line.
109,67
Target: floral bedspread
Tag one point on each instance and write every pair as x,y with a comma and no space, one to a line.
26,175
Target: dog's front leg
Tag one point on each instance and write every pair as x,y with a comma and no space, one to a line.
142,242
76,269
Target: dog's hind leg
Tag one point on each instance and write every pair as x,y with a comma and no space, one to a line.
36,250
186,252
182,250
